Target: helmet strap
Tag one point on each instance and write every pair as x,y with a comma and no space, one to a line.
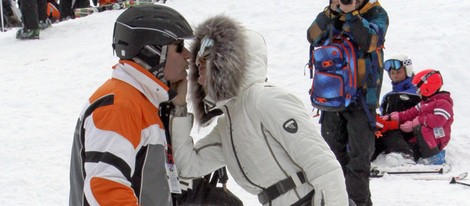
163,54
153,58
157,70
425,78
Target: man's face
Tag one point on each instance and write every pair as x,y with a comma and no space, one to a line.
177,62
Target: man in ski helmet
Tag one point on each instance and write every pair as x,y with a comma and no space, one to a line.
120,152
351,133
430,121
393,142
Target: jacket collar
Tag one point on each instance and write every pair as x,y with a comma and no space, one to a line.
141,79
404,86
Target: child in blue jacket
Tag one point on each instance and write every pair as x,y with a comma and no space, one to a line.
394,143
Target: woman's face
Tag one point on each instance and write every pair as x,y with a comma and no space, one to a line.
397,75
202,59
202,67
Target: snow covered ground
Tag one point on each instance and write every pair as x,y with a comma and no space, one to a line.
44,84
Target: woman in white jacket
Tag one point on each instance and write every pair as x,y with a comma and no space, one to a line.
264,136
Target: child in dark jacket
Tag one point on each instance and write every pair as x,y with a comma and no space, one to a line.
430,120
394,143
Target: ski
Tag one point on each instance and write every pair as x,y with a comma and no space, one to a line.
82,12
461,176
409,169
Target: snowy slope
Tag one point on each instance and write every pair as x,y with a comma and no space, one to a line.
44,84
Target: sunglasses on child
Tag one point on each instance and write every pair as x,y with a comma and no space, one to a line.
395,64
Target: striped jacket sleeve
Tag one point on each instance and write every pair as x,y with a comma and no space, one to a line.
110,150
439,116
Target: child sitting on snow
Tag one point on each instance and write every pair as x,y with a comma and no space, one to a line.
430,120
394,143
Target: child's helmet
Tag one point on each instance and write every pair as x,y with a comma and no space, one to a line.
405,61
428,82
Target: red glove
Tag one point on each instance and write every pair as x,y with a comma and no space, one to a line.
385,117
384,125
380,123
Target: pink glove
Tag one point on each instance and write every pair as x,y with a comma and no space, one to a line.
409,125
416,122
394,116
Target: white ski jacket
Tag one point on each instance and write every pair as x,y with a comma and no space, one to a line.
265,134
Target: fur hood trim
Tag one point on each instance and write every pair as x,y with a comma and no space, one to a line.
236,60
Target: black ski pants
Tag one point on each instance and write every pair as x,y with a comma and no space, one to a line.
33,11
421,147
393,141
352,139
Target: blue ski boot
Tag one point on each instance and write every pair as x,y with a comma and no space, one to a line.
437,159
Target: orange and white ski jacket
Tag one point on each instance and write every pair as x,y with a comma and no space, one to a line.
119,147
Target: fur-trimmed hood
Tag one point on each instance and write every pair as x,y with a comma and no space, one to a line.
237,59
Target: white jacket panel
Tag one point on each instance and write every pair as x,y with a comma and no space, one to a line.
273,138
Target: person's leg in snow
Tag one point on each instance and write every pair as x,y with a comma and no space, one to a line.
429,155
352,140
29,10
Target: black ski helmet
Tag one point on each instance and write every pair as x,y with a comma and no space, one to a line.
142,25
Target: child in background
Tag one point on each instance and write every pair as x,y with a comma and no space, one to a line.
393,143
430,120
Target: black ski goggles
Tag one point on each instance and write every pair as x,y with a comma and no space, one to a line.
395,64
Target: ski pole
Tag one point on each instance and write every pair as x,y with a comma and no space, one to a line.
378,173
440,171
1,7
453,181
